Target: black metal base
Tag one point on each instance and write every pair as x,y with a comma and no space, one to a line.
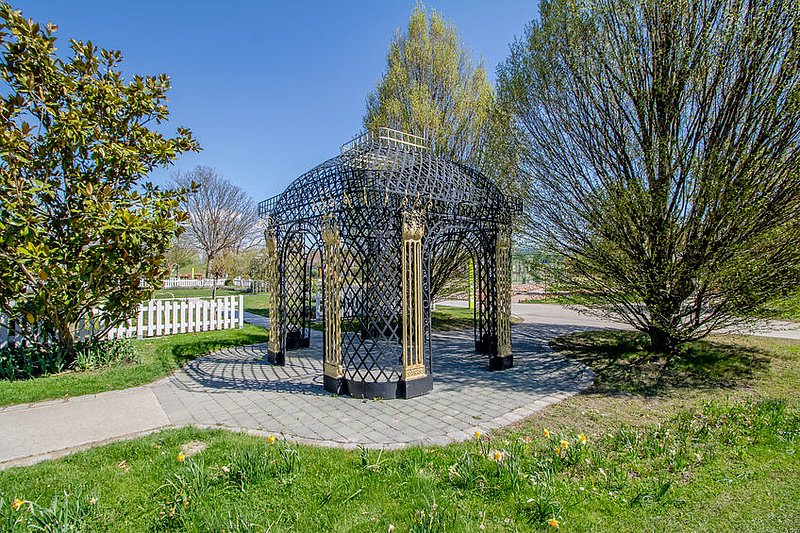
295,340
486,345
385,390
297,343
415,387
501,363
334,385
276,358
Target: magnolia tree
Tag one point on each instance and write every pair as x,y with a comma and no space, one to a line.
662,137
79,226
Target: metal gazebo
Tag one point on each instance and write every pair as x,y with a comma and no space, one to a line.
371,221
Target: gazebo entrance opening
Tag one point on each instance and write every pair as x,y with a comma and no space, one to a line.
370,222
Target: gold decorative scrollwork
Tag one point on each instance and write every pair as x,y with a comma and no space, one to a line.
413,231
332,282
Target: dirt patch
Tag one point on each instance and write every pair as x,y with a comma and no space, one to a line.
193,447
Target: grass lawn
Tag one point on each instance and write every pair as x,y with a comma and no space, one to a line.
157,358
786,309
447,318
709,441
566,299
443,318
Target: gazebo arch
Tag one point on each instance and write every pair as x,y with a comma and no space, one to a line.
376,213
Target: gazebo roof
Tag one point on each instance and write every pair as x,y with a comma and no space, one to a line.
385,169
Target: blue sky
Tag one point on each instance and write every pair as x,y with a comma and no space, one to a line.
270,89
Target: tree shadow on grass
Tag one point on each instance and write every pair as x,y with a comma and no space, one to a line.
623,364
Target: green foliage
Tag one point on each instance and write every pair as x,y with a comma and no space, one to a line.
27,362
432,89
105,353
661,139
66,513
787,308
658,476
78,226
249,467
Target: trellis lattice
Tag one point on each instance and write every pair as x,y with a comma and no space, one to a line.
382,209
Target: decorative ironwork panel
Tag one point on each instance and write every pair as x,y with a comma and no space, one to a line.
332,296
382,209
503,265
273,279
413,337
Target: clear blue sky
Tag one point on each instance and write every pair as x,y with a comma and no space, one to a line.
270,89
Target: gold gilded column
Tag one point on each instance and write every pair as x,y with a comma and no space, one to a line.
411,267
273,279
332,285
503,263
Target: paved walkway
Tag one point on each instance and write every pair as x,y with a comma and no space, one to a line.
236,389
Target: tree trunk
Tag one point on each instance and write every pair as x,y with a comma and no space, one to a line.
66,337
209,257
660,340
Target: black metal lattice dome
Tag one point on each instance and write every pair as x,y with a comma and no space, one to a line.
373,219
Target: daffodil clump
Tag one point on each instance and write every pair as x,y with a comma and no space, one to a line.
66,512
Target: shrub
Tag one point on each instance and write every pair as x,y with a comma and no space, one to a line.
26,362
105,353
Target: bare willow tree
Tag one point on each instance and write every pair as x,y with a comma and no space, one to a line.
662,138
222,217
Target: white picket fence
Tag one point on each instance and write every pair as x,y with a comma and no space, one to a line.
157,318
176,283
255,285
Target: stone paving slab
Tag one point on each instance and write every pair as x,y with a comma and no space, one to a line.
290,400
237,389
50,429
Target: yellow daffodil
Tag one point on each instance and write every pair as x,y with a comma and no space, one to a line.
564,444
497,456
16,504
557,449
271,439
477,434
553,523
582,438
546,433
181,457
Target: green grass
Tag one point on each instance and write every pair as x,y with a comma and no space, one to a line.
447,318
443,318
669,453
566,299
157,358
784,309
